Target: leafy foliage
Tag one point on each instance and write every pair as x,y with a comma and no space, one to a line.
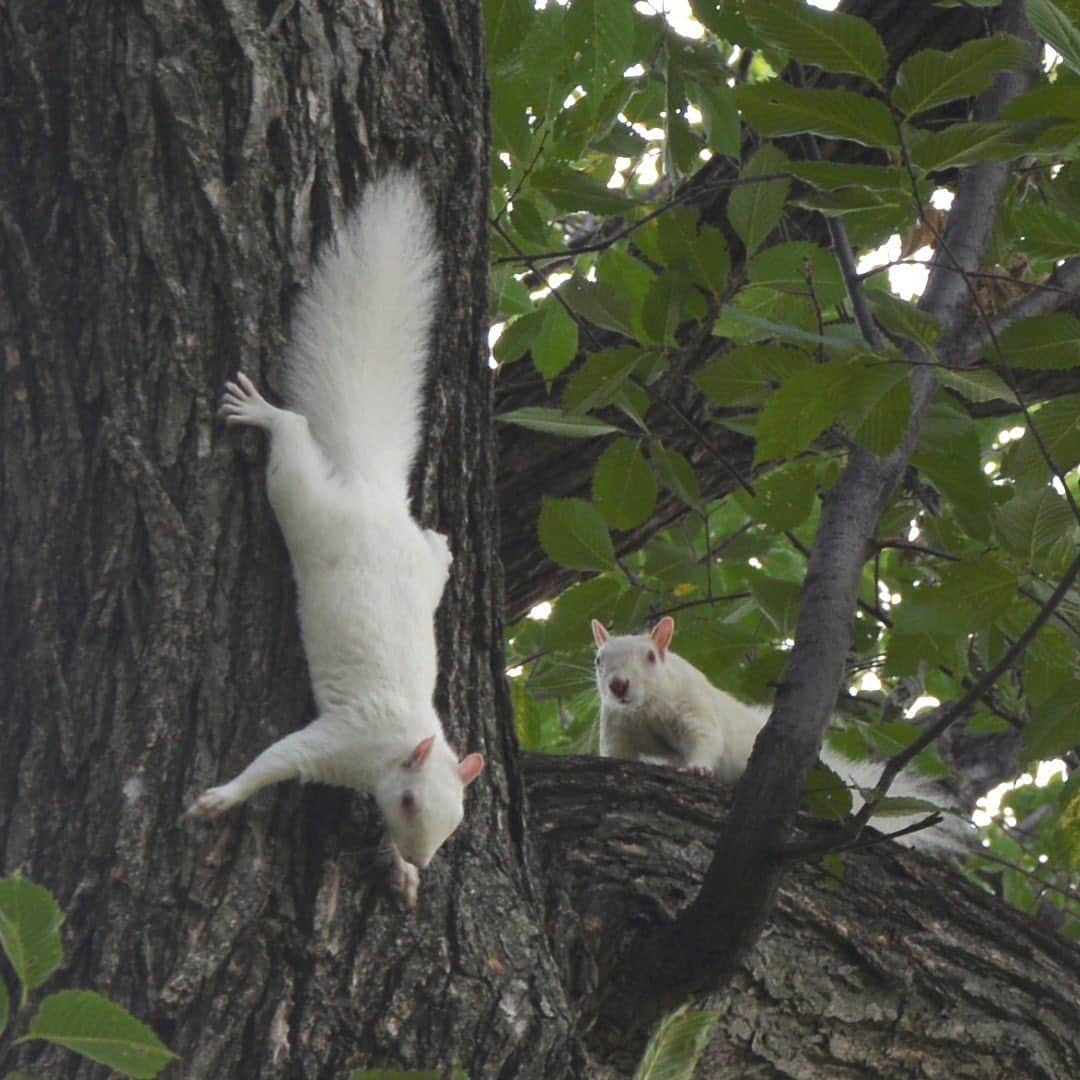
677,1044
649,178
79,1020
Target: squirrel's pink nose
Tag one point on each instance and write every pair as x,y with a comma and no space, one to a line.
619,687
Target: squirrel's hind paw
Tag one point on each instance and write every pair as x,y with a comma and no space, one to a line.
212,803
243,404
707,771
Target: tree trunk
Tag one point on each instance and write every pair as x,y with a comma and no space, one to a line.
167,171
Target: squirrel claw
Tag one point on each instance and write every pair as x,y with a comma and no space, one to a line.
406,879
211,804
706,771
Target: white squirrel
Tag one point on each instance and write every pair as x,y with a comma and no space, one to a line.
656,706
369,578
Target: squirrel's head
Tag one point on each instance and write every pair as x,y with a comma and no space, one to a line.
422,798
628,668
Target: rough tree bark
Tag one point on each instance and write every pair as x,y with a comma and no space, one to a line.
166,172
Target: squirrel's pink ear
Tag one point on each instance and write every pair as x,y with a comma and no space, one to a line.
421,753
469,768
599,632
662,633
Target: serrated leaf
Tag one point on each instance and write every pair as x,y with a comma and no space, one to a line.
963,144
878,406
573,534
676,473
603,35
1044,341
1058,423
505,23
596,383
570,190
624,489
98,1028
976,384
754,208
779,600
720,116
801,268
30,922
1054,727
1058,23
828,40
555,344
801,410
749,373
676,1046
903,319
599,304
554,422
777,108
783,498
827,796
830,175
1047,232
931,77
1031,522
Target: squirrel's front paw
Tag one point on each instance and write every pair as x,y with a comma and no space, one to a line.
406,879
707,771
243,404
213,803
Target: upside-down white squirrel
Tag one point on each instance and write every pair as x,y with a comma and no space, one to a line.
368,577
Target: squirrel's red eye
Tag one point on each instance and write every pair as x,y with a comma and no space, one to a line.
652,657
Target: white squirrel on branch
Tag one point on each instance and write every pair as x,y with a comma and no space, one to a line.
655,706
369,578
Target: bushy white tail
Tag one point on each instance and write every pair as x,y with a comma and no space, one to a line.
358,360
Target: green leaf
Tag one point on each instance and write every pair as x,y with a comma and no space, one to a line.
568,625
98,1028
1044,341
976,384
902,319
784,497
680,241
570,190
676,1046
777,108
801,410
5,1006
1047,231
830,175
555,344
903,806
1054,727
597,382
506,23
554,422
826,39
30,922
749,373
517,336
624,488
779,600
931,78
1058,423
676,473
573,534
754,208
1031,522
719,114
1058,23
801,268
603,35
827,796
878,405
962,144
599,304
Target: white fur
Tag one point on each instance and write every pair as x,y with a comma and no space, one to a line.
369,578
667,711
